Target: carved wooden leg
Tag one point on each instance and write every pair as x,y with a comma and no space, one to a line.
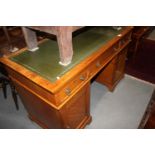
64,38
11,48
8,37
31,39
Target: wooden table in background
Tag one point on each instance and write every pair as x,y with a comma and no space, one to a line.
63,35
138,33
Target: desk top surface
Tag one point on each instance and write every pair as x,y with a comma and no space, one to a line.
45,61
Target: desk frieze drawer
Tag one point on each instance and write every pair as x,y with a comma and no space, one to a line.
100,62
71,87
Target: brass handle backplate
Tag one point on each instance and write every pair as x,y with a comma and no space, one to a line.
98,64
68,91
82,78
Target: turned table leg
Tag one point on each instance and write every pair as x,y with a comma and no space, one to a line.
31,39
64,39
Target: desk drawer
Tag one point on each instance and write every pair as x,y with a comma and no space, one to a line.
76,111
72,86
106,57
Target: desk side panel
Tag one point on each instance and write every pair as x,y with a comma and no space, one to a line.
39,111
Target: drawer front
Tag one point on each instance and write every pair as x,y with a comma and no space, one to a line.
95,67
77,108
102,61
72,86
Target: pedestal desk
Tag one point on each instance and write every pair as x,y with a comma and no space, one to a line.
57,96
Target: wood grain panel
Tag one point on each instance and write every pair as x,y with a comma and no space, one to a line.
77,108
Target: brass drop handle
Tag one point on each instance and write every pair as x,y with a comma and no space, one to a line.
98,64
116,48
121,43
82,78
68,91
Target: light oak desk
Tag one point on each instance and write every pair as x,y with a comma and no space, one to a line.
57,96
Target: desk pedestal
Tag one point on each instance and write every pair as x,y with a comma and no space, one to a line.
73,114
113,71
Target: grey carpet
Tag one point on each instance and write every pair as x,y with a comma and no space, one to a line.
123,108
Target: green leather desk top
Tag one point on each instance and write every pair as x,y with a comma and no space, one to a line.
45,61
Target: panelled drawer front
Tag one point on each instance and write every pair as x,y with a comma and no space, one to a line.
95,67
71,87
103,60
76,110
